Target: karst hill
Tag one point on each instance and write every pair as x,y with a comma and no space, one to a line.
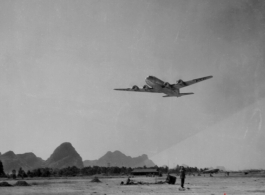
65,155
119,159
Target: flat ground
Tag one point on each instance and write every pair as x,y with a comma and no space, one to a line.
219,184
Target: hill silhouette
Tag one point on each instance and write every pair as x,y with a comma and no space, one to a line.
119,159
27,161
63,156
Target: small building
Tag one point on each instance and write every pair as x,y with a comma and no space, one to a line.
145,172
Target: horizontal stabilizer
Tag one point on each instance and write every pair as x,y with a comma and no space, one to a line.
181,94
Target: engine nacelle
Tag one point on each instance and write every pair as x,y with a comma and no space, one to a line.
135,88
145,87
167,85
180,81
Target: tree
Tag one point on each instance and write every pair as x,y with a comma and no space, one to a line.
29,173
164,169
46,172
2,173
86,171
14,174
21,173
74,171
129,170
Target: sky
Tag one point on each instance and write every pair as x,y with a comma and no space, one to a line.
60,61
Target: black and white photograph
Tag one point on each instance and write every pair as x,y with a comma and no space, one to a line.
136,97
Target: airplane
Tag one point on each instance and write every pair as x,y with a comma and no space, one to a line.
211,171
155,85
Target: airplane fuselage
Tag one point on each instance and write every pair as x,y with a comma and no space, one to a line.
154,82
159,85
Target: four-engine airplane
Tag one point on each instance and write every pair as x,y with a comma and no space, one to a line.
155,85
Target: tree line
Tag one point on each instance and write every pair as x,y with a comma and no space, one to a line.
87,171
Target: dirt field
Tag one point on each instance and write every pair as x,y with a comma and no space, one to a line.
218,184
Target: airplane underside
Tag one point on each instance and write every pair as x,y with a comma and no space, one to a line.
155,85
169,92
173,93
159,87
178,95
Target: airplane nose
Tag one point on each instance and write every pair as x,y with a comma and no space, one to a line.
149,77
149,81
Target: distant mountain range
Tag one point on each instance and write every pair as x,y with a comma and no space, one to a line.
65,155
119,159
27,161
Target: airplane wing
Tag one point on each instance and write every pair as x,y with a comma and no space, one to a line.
137,89
182,84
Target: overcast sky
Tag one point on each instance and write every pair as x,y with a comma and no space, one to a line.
61,60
